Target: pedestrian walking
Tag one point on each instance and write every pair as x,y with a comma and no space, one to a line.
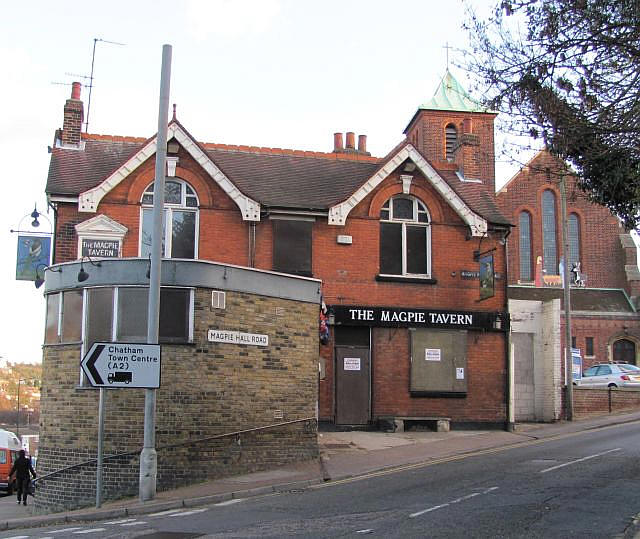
23,470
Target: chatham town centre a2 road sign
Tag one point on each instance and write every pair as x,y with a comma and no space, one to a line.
112,364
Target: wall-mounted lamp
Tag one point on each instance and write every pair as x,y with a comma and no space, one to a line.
83,275
39,281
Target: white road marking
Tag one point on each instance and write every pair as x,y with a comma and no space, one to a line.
457,500
65,530
229,502
137,523
368,530
19,537
163,513
120,521
580,460
187,513
92,530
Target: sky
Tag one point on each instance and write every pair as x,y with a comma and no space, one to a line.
276,73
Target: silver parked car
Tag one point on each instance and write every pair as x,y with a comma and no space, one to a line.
610,375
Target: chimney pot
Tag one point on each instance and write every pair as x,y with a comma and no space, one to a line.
351,140
362,143
76,87
337,142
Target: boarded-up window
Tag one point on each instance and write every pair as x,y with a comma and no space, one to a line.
292,246
451,135
438,362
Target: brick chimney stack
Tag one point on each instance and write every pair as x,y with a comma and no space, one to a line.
351,141
73,118
362,143
337,143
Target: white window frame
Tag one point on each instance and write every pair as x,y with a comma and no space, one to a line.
418,207
169,208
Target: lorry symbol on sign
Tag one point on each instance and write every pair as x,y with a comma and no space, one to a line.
119,376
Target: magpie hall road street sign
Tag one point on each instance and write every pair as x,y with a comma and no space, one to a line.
112,364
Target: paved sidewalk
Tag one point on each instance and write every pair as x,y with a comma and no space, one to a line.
343,455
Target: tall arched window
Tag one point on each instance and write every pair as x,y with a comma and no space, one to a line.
573,229
180,224
524,228
549,243
405,238
451,138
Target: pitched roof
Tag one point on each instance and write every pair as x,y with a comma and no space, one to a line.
275,178
450,95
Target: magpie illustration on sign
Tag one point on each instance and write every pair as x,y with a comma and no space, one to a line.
123,365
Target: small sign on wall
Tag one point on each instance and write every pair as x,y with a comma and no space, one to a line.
460,373
100,248
351,363
432,354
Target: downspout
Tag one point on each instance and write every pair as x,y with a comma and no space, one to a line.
252,244
510,423
55,228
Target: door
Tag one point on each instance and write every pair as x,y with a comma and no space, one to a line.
624,351
523,376
353,385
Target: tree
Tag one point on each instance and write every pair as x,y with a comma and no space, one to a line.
567,72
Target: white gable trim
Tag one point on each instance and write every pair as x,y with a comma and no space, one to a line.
89,200
338,213
101,225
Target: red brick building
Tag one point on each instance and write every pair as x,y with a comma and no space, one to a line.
604,293
409,247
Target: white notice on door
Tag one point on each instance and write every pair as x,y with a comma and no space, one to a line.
432,354
351,363
460,373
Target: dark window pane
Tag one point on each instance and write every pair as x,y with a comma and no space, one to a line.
589,343
451,135
174,315
391,248
292,246
133,304
403,209
573,230
183,234
147,199
573,342
99,321
525,246
53,311
72,316
172,192
417,250
549,251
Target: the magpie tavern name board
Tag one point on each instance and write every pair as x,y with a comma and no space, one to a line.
410,317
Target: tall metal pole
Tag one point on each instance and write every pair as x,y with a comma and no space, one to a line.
148,457
18,411
568,360
101,407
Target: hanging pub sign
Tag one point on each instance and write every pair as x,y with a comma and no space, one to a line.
34,254
350,315
100,248
487,282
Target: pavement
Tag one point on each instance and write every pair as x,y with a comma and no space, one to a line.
343,455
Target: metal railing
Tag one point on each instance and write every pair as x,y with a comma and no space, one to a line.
172,446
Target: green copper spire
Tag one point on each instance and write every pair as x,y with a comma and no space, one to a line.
450,95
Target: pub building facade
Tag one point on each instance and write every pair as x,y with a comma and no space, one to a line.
409,248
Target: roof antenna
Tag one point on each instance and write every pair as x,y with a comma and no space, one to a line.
93,59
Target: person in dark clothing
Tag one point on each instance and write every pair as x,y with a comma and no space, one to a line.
22,467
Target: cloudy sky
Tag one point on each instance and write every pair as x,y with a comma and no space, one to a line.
278,73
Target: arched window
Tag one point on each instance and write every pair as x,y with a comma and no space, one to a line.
573,229
524,229
405,238
451,138
180,223
549,246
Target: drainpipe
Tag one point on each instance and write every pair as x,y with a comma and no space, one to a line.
509,396
252,244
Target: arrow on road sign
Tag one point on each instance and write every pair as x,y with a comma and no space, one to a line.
91,364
